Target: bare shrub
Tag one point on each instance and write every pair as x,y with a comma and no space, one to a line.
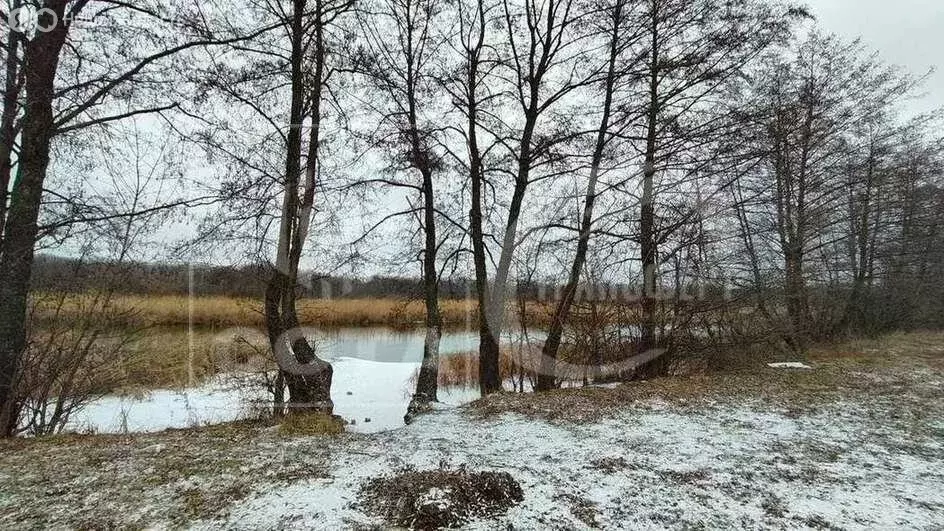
68,363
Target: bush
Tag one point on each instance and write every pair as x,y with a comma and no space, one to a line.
69,362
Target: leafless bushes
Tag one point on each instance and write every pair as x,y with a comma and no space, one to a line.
70,362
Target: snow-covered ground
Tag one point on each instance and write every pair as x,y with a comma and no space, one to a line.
372,395
856,443
653,466
719,468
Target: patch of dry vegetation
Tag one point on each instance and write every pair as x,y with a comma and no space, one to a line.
176,357
520,364
219,312
436,499
462,370
897,367
310,424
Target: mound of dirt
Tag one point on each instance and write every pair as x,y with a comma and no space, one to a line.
435,499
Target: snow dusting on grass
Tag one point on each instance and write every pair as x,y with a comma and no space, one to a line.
856,444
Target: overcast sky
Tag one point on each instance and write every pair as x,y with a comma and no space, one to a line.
909,33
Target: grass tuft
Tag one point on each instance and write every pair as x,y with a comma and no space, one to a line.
310,424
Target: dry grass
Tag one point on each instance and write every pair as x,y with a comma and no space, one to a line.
891,368
462,370
439,499
172,356
175,358
310,424
206,311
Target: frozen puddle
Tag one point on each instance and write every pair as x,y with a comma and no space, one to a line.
372,395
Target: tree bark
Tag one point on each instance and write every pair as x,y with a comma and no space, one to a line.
547,377
41,58
648,246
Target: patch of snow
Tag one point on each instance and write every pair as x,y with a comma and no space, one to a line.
724,467
789,365
612,385
435,497
211,403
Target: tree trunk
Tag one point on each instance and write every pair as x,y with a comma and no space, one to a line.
307,377
797,305
489,378
647,237
489,352
11,100
427,384
548,374
21,230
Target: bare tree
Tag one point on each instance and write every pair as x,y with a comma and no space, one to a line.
542,66
403,70
470,92
307,377
65,94
816,107
694,47
620,38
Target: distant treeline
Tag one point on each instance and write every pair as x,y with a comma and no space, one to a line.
52,273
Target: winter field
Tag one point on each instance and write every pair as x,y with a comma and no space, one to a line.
855,442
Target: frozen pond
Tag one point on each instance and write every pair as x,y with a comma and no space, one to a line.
373,395
372,385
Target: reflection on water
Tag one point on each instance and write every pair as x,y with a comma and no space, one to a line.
385,345
395,346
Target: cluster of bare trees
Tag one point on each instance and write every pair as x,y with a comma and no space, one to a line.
826,206
82,69
712,147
